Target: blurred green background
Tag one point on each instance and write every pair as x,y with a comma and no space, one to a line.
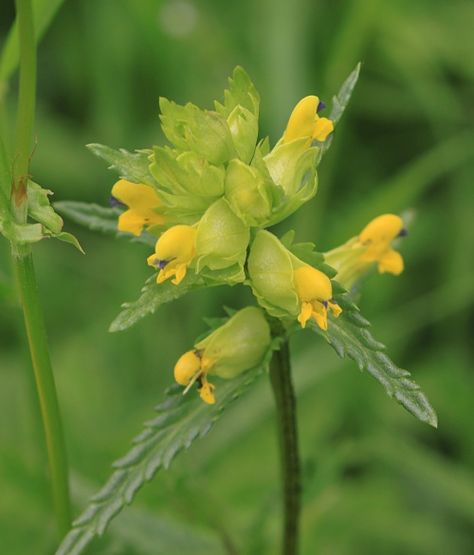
376,481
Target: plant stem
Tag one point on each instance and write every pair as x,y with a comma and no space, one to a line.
285,401
26,280
25,273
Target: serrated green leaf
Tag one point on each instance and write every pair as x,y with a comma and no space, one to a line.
98,218
349,336
341,100
241,92
129,165
339,105
180,421
153,296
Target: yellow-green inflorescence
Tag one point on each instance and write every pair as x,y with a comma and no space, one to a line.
209,196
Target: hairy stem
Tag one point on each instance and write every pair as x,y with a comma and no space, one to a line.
285,401
25,274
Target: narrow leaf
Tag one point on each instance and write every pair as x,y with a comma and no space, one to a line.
349,335
179,421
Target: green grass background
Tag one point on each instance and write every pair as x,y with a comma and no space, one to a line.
376,481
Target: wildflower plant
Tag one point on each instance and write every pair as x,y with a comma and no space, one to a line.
205,203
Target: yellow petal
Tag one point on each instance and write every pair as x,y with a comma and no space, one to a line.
131,222
206,392
177,243
391,262
335,309
135,195
302,119
322,128
311,284
186,367
381,230
180,272
320,315
305,313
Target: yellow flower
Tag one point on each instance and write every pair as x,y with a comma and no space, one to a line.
377,236
315,294
193,367
305,122
174,252
372,246
142,202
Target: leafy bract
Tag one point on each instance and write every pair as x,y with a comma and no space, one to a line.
339,105
152,296
133,166
349,336
180,420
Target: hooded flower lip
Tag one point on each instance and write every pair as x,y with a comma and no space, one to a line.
305,121
174,252
142,202
314,291
377,237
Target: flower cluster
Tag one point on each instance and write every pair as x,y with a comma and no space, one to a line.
209,199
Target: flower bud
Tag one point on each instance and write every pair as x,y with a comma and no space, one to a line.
243,127
248,193
204,132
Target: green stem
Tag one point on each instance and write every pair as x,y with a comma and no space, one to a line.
35,329
25,273
26,107
285,401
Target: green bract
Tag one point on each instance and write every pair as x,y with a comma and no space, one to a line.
249,193
270,270
221,240
238,345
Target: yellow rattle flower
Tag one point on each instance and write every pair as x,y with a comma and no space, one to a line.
142,202
372,246
305,122
174,252
314,291
192,367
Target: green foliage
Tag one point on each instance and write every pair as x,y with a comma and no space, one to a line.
98,218
180,421
349,335
133,166
339,105
153,296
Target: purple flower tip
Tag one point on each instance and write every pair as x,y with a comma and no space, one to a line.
403,232
321,106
